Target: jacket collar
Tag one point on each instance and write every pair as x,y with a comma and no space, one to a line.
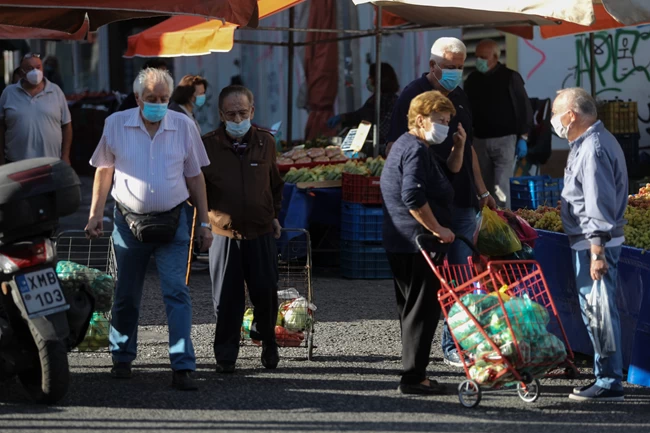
593,129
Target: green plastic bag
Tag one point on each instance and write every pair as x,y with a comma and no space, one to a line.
97,336
495,237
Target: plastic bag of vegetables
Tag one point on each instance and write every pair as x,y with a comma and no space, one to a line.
97,336
73,276
298,315
496,237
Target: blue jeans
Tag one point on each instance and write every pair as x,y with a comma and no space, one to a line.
171,260
608,370
464,224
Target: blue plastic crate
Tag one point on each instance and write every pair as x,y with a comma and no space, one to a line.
534,191
364,260
361,222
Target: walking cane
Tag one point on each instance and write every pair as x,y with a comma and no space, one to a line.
191,251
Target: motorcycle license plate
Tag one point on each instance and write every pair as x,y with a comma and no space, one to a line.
41,293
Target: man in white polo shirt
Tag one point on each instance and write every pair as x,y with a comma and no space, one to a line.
153,157
34,117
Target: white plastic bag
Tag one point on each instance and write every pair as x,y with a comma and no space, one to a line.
298,315
600,319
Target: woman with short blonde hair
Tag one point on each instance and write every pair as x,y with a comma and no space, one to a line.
418,195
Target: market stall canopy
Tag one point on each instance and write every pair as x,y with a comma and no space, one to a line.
459,13
194,36
70,15
15,32
606,17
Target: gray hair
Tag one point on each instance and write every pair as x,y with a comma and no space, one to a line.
152,76
444,46
579,101
491,44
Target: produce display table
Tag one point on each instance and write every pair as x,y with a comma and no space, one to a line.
553,253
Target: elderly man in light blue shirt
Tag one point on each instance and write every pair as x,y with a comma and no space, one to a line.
594,199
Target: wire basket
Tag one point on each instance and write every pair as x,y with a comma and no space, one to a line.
98,255
295,322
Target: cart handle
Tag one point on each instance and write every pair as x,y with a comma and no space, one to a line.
431,237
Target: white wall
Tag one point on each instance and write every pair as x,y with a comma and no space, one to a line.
622,68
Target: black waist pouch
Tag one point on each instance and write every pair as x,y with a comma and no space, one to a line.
154,227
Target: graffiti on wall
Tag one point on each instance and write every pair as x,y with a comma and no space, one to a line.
620,55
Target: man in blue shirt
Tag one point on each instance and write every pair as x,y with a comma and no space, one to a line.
594,199
470,194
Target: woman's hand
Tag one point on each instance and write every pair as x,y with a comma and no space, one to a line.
445,235
460,136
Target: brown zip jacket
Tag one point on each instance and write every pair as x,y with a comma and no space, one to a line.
244,192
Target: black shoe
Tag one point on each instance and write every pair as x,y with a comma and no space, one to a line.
225,367
434,388
182,380
121,370
596,393
270,355
579,389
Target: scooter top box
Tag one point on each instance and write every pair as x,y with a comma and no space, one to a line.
34,194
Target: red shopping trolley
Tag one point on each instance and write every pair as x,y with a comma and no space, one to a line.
503,321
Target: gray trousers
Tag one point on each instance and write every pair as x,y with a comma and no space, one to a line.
234,266
496,157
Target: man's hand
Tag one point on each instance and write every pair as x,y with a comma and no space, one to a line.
205,239
277,229
445,235
598,268
95,227
489,202
460,136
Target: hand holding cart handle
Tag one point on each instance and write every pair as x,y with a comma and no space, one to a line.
420,240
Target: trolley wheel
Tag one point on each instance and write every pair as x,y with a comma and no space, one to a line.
571,372
469,393
310,347
531,393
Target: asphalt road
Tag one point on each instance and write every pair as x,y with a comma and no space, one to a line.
350,385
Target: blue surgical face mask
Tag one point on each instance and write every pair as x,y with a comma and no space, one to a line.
482,66
451,78
238,129
200,100
154,112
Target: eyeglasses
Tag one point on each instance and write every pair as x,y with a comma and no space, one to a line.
32,55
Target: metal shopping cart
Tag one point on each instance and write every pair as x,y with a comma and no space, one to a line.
500,314
295,281
97,255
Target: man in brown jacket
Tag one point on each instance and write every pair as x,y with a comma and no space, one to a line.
244,197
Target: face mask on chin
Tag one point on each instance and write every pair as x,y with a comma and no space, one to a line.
437,134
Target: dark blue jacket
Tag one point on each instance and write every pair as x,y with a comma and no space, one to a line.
412,177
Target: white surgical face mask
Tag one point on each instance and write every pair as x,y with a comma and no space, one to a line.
561,130
238,129
35,76
437,134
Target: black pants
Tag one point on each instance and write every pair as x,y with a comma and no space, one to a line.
233,262
416,289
